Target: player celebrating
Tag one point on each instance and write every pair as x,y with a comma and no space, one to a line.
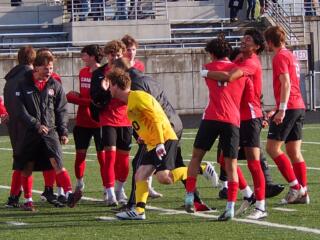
286,124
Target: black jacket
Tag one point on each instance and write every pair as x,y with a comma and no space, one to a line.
100,97
48,107
151,86
15,128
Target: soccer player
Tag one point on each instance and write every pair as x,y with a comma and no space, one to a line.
286,124
116,128
41,109
152,125
221,118
3,112
145,83
248,64
131,46
86,127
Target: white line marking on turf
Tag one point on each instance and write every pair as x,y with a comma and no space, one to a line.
17,223
103,218
262,223
284,209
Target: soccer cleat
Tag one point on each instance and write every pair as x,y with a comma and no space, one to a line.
111,201
48,195
247,203
201,207
74,198
154,194
257,214
292,196
223,193
228,214
62,199
189,202
210,174
13,202
121,197
131,215
305,199
28,206
273,190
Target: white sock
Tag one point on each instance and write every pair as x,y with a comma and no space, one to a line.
80,182
119,186
261,205
60,191
224,184
246,192
26,200
67,194
230,205
149,180
110,192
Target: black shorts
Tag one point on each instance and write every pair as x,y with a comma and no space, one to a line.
250,132
208,132
82,137
168,161
117,136
291,127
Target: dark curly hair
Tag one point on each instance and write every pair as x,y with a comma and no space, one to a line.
219,47
93,50
257,38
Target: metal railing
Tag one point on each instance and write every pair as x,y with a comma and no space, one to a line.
300,7
101,10
281,17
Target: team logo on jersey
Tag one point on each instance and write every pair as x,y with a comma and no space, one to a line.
50,92
17,94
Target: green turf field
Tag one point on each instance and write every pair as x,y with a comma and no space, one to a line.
165,218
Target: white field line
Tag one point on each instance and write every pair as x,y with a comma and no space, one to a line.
284,209
203,215
16,223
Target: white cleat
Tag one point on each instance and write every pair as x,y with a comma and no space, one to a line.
110,201
121,197
210,174
131,215
246,204
154,194
293,196
257,214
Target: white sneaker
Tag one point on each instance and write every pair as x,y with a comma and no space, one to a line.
257,214
154,194
131,215
305,199
121,197
292,196
210,174
246,204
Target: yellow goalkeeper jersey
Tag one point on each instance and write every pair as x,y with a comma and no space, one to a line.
148,119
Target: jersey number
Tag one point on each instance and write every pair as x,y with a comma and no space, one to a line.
135,125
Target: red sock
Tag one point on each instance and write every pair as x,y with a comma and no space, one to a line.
109,168
27,185
63,179
221,161
49,178
232,191
15,183
258,179
242,181
285,167
80,164
300,170
191,184
121,167
102,161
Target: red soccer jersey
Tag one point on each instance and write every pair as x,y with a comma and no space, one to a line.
115,113
83,115
3,110
285,62
224,97
138,65
251,102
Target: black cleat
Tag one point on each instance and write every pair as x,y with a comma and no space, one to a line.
13,202
273,190
48,195
223,193
74,198
62,199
